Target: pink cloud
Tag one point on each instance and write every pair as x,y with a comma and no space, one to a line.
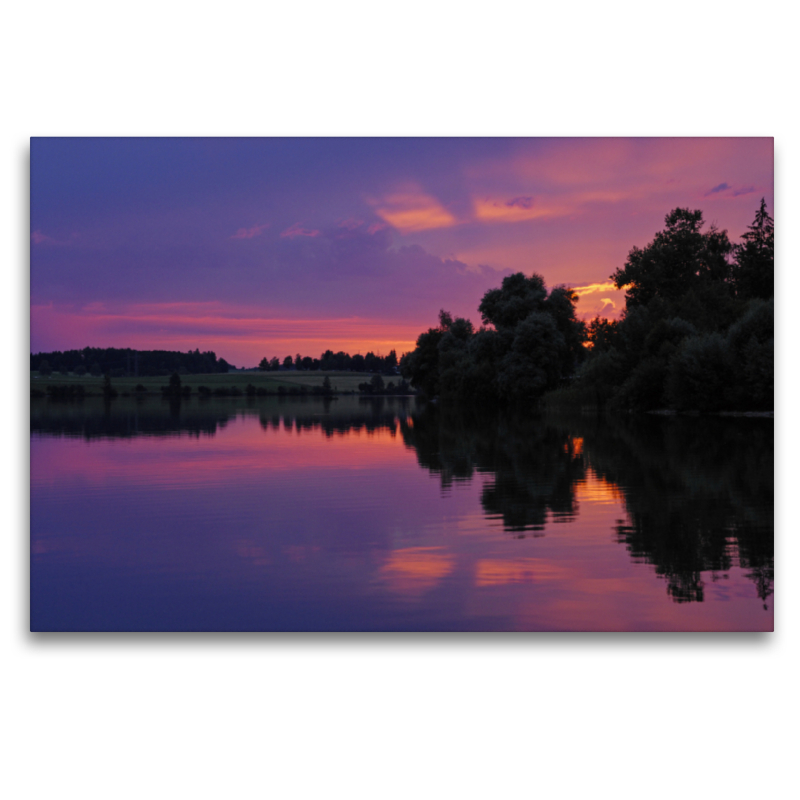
351,224
295,230
249,233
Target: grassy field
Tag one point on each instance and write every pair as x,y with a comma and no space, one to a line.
271,381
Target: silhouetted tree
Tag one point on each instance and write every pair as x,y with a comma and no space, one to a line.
680,258
754,270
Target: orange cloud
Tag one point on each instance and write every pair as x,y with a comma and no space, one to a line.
590,305
593,288
516,209
413,210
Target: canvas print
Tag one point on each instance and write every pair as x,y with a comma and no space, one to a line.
401,384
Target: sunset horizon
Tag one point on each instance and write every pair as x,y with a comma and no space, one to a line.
257,248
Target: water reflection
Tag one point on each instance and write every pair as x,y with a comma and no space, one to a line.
92,418
362,513
698,492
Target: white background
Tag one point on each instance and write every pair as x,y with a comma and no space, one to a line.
640,716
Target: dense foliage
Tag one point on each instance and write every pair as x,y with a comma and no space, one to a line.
530,341
330,361
117,362
698,328
697,332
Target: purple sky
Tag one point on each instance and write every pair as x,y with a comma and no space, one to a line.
254,247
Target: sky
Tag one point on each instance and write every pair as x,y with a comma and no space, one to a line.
270,247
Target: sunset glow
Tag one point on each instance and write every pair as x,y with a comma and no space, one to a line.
269,247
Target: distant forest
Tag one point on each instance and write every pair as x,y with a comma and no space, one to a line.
126,362
697,332
341,361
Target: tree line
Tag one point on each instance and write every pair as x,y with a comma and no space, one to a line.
697,331
330,361
120,362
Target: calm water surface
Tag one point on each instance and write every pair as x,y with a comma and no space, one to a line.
359,514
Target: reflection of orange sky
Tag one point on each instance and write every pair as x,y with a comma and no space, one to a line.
415,570
575,577
596,491
248,451
497,572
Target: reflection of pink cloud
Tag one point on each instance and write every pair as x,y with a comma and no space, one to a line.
295,230
499,572
249,233
415,570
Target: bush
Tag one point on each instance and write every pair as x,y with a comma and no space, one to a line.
701,375
644,388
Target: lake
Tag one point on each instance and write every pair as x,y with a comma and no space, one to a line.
357,514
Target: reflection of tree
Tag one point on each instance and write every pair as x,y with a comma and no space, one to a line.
128,418
698,492
534,465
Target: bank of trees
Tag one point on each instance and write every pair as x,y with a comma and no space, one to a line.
697,331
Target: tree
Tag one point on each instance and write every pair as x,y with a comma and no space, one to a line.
602,334
535,360
287,362
680,258
754,270
109,392
263,365
421,365
517,297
